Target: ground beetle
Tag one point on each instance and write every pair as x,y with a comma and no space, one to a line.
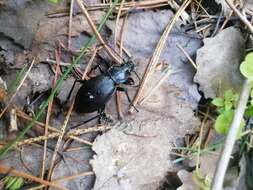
97,91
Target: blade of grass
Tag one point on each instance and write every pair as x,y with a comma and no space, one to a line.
7,147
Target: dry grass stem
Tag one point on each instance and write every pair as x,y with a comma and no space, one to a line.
80,140
203,123
70,23
118,94
134,4
87,68
26,117
49,110
63,129
70,134
117,24
226,21
83,174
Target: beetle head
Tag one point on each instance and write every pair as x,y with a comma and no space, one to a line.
121,73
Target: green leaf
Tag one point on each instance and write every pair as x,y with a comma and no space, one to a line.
219,102
239,133
53,1
229,95
246,66
251,94
251,102
249,57
13,183
249,111
228,105
221,110
223,122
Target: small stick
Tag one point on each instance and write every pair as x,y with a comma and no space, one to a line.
28,118
187,55
70,23
117,23
208,136
118,94
4,170
75,149
19,86
203,28
226,21
155,57
124,49
83,174
122,36
98,36
87,68
80,140
243,18
200,141
133,4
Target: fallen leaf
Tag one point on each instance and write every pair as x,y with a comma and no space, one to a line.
218,63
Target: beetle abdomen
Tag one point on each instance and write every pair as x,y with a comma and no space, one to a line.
94,94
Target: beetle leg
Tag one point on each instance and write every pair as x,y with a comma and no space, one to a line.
103,116
88,120
129,81
121,89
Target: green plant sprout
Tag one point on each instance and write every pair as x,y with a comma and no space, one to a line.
226,108
246,66
12,182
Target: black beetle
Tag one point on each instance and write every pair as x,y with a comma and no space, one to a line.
97,91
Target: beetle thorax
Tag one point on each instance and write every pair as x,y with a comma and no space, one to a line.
119,73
